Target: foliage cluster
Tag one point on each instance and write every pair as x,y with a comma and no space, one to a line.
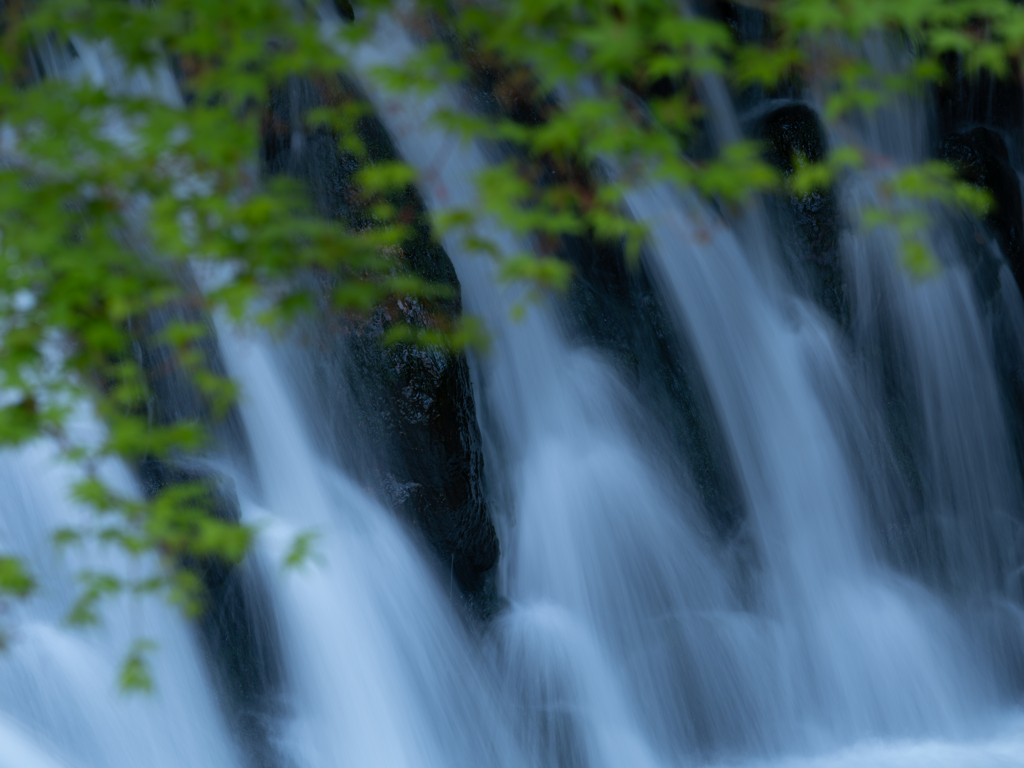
129,145
625,83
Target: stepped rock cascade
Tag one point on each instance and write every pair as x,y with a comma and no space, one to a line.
862,606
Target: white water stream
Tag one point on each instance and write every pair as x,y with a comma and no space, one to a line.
60,704
382,671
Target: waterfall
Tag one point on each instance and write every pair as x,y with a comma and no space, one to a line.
380,669
59,700
867,652
864,609
931,353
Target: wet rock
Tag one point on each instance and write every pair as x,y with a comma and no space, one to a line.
402,418
344,9
426,436
173,395
808,225
981,157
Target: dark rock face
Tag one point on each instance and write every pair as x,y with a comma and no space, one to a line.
174,397
403,417
422,403
981,157
808,225
965,100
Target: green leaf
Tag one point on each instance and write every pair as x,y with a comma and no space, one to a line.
543,273
385,177
918,259
14,579
302,550
135,676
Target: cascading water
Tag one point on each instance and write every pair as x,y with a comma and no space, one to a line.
59,698
59,701
929,348
864,652
380,669
873,619
928,345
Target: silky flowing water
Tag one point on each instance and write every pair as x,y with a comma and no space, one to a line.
865,612
60,704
